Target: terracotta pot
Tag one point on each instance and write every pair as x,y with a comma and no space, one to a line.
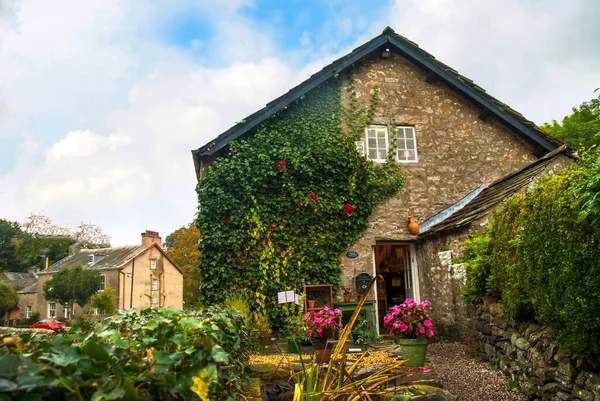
347,298
310,303
413,226
323,352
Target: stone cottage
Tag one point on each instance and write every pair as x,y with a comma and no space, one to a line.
463,152
141,275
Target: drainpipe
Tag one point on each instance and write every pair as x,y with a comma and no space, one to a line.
132,277
122,297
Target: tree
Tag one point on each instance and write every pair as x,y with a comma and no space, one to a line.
105,301
10,235
184,251
72,286
8,298
580,129
90,235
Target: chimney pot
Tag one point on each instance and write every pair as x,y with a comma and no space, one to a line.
151,237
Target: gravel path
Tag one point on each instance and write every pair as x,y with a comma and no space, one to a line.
468,379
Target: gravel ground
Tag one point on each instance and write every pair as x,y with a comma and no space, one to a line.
468,379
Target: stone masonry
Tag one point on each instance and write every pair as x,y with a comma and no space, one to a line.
530,355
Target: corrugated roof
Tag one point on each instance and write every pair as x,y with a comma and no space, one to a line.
114,258
489,197
437,70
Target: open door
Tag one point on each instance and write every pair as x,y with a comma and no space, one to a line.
393,263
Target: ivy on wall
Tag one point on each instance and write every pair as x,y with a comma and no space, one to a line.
285,203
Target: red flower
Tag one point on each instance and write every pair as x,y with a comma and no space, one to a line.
280,165
273,227
312,195
347,208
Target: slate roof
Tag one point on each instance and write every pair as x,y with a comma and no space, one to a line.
482,200
437,71
21,282
115,258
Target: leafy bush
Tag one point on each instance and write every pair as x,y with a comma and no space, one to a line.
156,354
105,301
544,260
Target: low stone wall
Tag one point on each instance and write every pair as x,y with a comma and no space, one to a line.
529,354
15,331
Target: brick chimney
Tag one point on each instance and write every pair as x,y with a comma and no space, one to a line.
151,237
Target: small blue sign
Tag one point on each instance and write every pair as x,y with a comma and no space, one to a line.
352,254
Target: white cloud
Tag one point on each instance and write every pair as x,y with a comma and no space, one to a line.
107,113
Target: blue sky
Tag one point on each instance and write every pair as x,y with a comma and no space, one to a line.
102,101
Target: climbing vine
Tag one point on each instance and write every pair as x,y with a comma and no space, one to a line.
284,203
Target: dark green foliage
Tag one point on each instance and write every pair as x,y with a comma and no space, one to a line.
261,229
545,261
477,265
8,298
20,250
10,235
153,355
72,285
580,129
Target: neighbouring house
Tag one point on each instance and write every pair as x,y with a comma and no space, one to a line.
141,275
26,286
463,153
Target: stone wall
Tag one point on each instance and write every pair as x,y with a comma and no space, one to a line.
529,354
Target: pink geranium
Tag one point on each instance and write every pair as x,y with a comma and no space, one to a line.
410,319
322,325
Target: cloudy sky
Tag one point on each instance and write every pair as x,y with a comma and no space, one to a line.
102,101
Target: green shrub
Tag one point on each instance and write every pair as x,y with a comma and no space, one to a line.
156,354
544,259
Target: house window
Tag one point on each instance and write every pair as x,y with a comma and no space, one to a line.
377,143
154,284
102,282
153,264
154,300
51,309
66,311
407,144
28,312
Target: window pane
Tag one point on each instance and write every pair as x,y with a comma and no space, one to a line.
372,142
372,153
400,133
410,144
411,155
381,143
409,133
371,133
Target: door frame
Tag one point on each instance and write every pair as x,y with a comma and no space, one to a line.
414,269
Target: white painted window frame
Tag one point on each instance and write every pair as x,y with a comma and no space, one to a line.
154,284
28,312
102,282
153,263
48,309
387,142
405,147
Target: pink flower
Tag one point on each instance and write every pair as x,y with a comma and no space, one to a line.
403,327
340,325
329,320
425,303
319,330
422,330
312,195
429,333
318,320
427,323
336,311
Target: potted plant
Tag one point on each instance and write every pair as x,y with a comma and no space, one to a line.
362,332
347,293
310,301
322,326
411,325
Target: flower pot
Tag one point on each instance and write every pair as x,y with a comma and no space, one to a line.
322,352
310,303
293,346
347,298
413,226
413,350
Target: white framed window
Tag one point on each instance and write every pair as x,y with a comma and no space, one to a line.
102,282
377,143
154,300
66,311
28,312
51,309
154,284
153,264
407,145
